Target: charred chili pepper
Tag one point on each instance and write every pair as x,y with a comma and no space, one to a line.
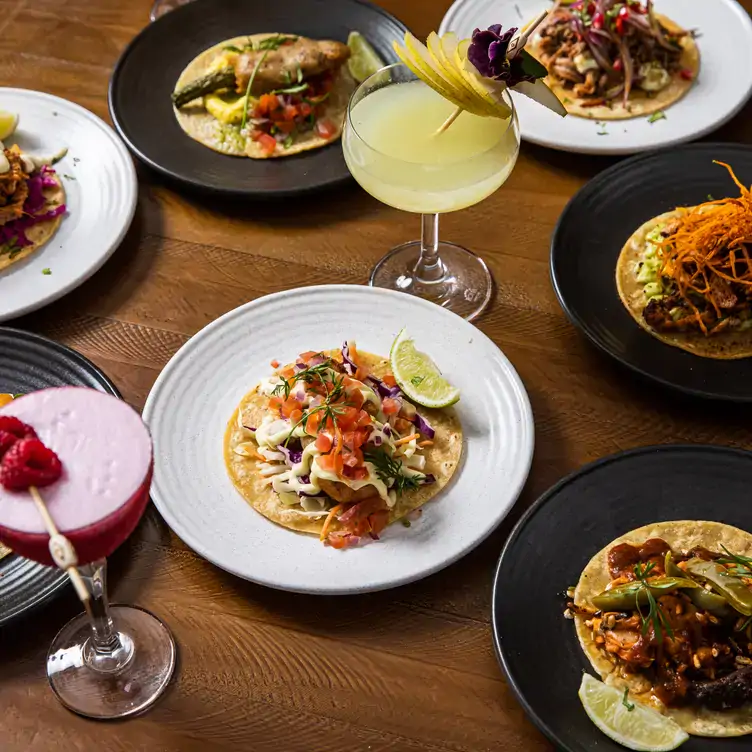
738,595
631,594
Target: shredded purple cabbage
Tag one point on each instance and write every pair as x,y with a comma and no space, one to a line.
15,230
377,440
423,426
347,362
383,390
293,457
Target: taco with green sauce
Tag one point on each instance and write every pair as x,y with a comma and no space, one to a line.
665,612
329,445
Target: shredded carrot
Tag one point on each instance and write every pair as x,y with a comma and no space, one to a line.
259,456
337,447
709,250
425,443
407,439
328,521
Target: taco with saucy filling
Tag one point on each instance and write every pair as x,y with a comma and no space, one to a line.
610,60
32,205
686,276
265,95
329,445
665,611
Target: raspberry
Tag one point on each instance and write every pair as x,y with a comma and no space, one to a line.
11,431
29,463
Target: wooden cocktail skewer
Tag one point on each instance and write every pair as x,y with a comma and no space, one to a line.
516,43
61,549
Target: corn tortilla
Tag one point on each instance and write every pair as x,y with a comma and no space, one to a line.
442,459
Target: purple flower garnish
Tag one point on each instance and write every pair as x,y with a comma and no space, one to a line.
488,53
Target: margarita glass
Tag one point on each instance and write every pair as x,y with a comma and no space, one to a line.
112,661
161,7
393,150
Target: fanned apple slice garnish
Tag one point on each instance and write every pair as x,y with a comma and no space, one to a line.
437,47
416,56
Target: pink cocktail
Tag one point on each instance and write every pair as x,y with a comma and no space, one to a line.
107,459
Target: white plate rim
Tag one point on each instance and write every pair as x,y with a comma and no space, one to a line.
448,24
522,474
130,203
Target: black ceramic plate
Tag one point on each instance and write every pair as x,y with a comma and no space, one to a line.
594,228
145,76
551,545
29,362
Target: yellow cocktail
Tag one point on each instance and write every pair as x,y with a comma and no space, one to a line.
393,150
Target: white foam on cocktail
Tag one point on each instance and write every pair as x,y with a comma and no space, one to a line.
105,449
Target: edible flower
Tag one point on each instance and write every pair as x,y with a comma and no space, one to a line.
488,53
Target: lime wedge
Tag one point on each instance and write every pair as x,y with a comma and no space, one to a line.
417,375
364,61
641,728
8,123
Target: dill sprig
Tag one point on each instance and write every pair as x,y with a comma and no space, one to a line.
654,616
322,372
741,565
388,468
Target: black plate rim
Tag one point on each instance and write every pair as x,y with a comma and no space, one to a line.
197,184
61,584
539,503
575,320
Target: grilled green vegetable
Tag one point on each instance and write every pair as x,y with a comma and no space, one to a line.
221,79
738,595
701,598
631,594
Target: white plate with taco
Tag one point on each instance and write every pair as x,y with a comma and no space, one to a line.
304,443
67,197
634,75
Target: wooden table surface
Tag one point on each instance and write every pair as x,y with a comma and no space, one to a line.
412,669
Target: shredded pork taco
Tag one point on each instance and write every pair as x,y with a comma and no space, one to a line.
32,205
686,276
665,612
330,445
610,60
265,95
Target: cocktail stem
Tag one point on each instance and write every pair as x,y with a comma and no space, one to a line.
106,650
429,267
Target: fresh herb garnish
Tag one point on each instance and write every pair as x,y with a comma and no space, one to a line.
288,142
232,48
286,75
742,565
47,271
625,702
291,89
602,126
300,75
388,468
273,43
68,177
655,616
656,116
417,380
710,197
745,625
248,90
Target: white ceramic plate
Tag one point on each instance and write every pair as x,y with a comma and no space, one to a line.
100,189
193,398
721,90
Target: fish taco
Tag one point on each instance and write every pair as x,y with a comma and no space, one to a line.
611,60
32,205
265,95
665,612
330,445
685,276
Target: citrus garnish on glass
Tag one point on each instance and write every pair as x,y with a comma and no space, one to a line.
436,133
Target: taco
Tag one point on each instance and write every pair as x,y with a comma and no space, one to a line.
330,446
32,204
686,277
611,60
665,612
265,95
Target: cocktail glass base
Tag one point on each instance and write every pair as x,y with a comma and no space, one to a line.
460,281
124,684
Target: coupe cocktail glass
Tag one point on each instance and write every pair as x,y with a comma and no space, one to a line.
112,661
161,7
393,150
